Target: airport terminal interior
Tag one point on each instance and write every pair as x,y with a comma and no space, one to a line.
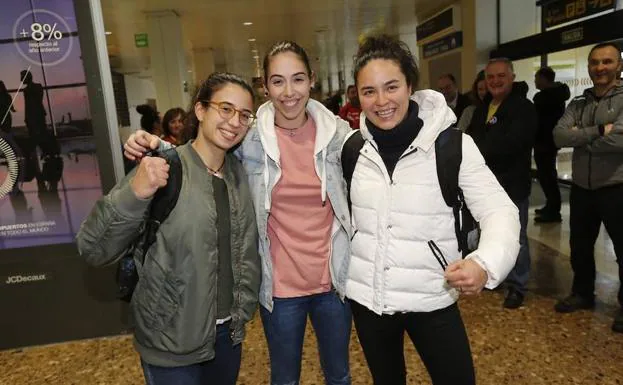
61,321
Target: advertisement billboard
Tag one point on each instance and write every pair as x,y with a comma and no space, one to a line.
49,176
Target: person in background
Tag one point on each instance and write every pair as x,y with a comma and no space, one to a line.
593,126
333,102
6,108
503,128
477,96
550,106
352,109
150,119
395,282
199,282
173,126
446,84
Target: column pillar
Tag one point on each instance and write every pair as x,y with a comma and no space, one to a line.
168,60
203,64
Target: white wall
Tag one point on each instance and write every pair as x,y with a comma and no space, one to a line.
137,91
486,34
518,19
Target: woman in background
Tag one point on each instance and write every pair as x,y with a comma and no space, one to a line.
173,126
479,91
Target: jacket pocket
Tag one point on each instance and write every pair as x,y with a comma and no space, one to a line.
436,251
159,296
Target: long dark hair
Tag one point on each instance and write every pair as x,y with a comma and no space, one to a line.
286,46
388,48
206,90
474,94
168,117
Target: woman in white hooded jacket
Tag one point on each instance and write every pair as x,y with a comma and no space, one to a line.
395,282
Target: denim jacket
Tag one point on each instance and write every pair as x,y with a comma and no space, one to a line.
259,154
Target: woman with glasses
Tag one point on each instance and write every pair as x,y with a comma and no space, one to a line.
292,158
406,272
199,282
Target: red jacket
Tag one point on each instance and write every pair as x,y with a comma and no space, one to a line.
351,114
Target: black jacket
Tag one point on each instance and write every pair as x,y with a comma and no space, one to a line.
506,140
550,106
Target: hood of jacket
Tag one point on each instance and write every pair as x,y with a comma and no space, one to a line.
326,127
434,112
589,93
559,92
520,89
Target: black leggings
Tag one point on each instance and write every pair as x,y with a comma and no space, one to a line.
439,337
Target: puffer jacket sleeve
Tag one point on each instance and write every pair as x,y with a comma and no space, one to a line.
493,209
112,225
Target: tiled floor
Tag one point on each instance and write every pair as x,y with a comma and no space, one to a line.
531,345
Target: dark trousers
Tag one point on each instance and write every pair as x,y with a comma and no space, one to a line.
221,370
517,279
548,178
589,208
439,337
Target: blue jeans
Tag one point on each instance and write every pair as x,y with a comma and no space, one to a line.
285,330
518,277
221,370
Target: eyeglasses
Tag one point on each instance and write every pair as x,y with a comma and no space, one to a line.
227,111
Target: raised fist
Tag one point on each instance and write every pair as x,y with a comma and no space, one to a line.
152,173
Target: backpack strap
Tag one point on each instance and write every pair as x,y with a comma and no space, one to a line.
350,155
164,200
449,154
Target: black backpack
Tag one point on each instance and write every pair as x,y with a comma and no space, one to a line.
162,204
449,154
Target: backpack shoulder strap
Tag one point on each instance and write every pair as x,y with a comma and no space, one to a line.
166,197
164,201
350,155
449,154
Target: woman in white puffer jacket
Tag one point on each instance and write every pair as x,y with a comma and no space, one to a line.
395,282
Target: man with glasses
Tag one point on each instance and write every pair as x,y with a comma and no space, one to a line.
446,84
593,126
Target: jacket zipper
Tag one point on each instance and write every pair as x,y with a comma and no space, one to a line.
590,154
391,177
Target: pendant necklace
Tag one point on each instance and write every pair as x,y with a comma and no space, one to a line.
291,131
216,172
211,171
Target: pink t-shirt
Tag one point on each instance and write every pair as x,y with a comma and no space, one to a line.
299,226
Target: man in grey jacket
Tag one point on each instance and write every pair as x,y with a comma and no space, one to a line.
593,126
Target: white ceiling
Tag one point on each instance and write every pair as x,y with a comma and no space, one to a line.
326,28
